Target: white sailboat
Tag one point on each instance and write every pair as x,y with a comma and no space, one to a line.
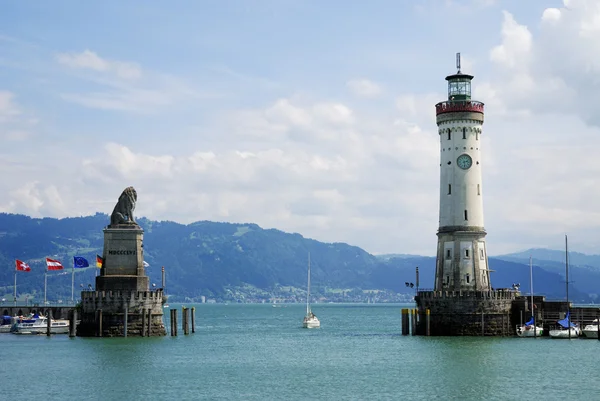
530,329
310,319
566,328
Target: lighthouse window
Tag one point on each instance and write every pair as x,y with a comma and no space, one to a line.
468,278
449,134
449,189
478,190
466,253
466,217
481,254
477,136
448,253
464,133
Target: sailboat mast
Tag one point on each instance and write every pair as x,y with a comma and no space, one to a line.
308,289
567,283
531,285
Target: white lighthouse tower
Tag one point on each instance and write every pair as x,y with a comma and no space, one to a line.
462,262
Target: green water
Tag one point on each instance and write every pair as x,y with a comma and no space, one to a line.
257,352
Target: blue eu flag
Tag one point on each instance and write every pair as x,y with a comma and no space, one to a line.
79,261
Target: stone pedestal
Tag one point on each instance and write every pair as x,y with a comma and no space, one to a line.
122,290
466,313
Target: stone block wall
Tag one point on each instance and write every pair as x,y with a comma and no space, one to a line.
112,305
466,313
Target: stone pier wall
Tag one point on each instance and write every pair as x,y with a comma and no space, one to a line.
466,313
112,304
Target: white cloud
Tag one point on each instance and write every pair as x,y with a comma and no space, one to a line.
8,108
90,60
364,87
516,43
125,87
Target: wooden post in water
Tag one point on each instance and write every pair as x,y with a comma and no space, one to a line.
193,319
171,322
482,325
100,334
48,322
186,321
72,322
125,318
149,322
175,321
413,322
405,328
143,322
427,322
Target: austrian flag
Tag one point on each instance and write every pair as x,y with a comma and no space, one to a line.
22,266
53,264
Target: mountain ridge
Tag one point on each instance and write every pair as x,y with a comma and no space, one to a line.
241,262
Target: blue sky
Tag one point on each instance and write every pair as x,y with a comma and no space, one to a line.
307,116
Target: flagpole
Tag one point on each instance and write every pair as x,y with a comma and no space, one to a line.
45,284
15,300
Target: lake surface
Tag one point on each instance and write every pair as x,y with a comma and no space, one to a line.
257,352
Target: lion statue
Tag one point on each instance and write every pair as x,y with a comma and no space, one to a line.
123,211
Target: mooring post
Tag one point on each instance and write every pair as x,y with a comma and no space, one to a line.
149,332
482,325
72,322
171,322
143,330
405,322
193,319
186,328
125,318
48,322
413,322
598,321
175,321
100,334
521,320
427,322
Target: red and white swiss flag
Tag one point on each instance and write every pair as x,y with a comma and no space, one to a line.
22,266
53,264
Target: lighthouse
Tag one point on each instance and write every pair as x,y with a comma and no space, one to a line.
461,263
462,302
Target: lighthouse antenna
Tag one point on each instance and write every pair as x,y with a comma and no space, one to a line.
458,62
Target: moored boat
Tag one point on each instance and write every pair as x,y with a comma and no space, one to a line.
6,324
39,325
565,329
591,330
529,329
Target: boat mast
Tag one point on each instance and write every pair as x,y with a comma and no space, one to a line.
531,289
567,283
308,290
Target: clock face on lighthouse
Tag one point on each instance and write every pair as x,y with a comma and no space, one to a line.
464,161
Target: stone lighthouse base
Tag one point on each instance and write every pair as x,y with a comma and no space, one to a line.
465,313
107,313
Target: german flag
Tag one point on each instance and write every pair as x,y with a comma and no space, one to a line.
99,262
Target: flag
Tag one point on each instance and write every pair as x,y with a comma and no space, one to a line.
99,261
22,266
146,264
79,261
53,264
